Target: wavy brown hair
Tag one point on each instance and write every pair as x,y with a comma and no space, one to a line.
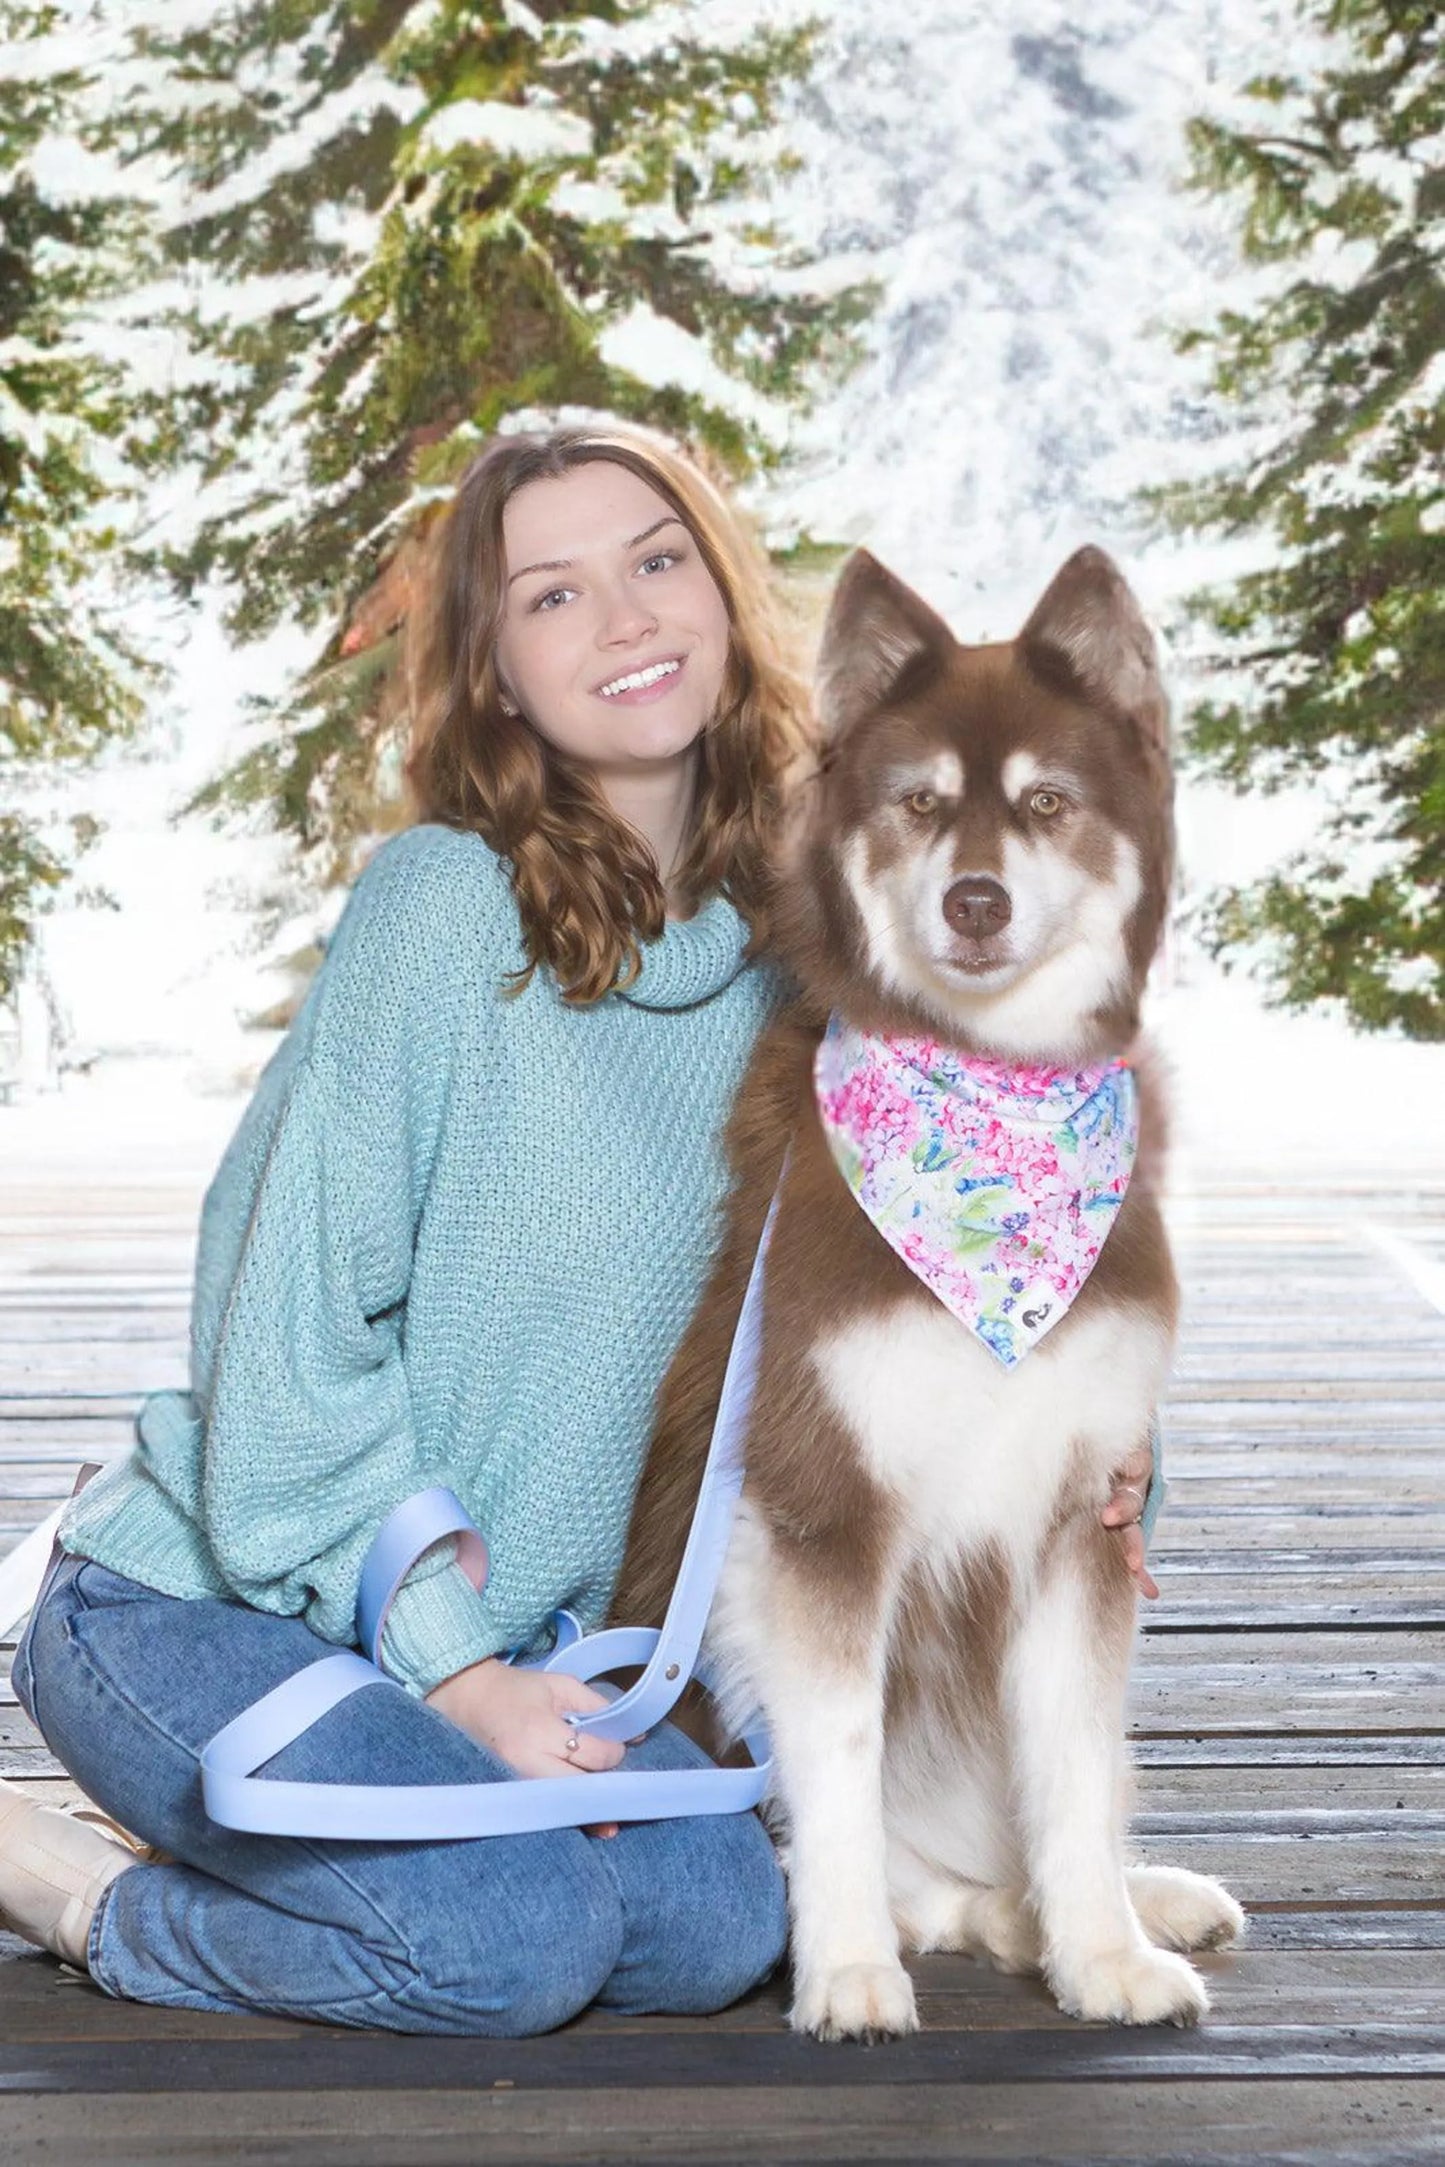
587,884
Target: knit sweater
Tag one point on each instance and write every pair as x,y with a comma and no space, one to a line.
455,1239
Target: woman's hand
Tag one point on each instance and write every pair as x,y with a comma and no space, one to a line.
520,1715
1131,1482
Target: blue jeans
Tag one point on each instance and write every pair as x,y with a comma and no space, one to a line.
500,1936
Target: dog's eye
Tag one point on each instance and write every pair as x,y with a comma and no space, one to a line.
1046,802
922,801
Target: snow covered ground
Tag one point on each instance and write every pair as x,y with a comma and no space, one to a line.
1259,1098
1009,174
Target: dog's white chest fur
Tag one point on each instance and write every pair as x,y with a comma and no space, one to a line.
974,1452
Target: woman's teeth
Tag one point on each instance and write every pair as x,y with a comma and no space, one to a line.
639,678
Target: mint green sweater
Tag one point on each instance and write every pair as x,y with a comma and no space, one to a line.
455,1239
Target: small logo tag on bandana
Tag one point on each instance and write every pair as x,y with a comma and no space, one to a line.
996,1184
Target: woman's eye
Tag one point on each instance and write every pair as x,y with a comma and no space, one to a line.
552,596
922,801
664,557
1046,802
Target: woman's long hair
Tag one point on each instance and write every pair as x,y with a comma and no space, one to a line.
587,884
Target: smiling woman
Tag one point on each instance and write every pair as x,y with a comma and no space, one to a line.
454,1241
602,693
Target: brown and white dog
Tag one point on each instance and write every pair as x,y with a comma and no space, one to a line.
919,1593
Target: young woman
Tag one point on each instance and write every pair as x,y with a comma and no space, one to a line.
455,1239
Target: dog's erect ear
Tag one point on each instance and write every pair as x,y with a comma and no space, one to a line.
1088,636
876,630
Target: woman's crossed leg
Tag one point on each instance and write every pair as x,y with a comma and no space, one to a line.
499,1936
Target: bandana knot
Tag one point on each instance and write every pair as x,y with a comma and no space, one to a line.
996,1184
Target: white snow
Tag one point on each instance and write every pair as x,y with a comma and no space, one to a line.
521,131
659,351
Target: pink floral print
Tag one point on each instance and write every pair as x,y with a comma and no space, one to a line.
996,1184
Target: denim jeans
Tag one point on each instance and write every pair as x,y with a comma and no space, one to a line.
500,1936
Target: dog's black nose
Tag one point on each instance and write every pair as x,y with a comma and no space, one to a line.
977,908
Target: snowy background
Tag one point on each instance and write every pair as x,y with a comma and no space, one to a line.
1010,174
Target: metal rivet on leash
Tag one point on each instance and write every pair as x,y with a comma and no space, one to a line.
671,1671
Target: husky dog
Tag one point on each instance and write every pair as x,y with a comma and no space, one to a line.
919,1593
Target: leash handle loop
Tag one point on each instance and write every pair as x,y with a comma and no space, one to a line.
407,1531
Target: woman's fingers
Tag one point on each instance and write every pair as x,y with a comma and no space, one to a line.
1134,1558
572,1695
588,1756
1130,1488
1124,1510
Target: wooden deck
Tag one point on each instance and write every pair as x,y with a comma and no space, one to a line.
1289,1713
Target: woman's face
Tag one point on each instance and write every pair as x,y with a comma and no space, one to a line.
605,585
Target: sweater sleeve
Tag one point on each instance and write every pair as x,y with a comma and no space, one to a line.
309,1441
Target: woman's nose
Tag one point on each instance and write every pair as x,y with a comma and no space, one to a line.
626,618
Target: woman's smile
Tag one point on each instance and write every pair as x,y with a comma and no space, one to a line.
648,681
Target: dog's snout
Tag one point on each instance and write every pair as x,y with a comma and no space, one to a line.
977,907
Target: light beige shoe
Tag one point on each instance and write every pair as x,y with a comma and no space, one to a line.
53,1871
151,1853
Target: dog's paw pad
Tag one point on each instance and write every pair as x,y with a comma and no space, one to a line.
1131,1986
856,2001
1184,1910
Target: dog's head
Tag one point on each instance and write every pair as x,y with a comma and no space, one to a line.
985,852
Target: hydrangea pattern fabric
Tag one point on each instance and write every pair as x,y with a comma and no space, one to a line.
996,1184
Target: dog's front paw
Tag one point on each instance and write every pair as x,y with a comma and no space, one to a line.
1130,1986
855,2001
1183,1910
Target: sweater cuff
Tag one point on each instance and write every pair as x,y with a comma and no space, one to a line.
1158,1488
437,1625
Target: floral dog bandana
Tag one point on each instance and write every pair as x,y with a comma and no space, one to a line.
996,1184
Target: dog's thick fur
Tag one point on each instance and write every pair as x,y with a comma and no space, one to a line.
919,1592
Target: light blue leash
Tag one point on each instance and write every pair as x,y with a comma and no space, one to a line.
441,1812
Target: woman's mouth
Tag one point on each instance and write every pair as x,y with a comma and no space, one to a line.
652,681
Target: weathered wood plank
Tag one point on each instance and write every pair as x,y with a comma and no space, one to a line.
1301,1869
588,2056
1281,1606
1318,1986
1255,1488
1205,1359
1334,1392
1379,1793
1399,1528
75,1332
1351,2123
1283,1749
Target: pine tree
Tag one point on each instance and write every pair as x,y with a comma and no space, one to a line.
69,681
1331,654
431,213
